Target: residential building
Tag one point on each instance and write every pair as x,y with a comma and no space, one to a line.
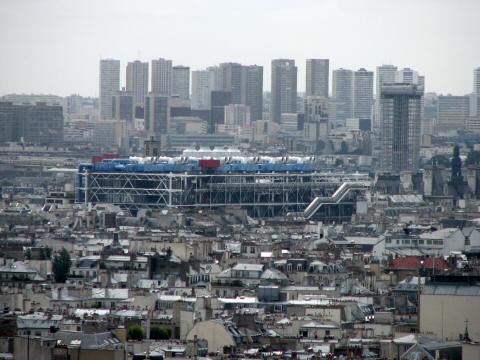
362,94
252,90
162,77
400,130
284,88
109,85
201,89
317,77
181,81
342,91
157,115
123,106
137,81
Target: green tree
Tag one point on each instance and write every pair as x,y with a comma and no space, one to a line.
160,332
473,158
338,162
61,265
135,332
28,254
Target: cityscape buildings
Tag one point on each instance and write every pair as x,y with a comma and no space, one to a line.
342,92
363,94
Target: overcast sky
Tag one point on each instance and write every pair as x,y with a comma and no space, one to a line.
54,46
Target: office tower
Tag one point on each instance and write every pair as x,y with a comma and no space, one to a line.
123,106
219,99
362,94
38,124
231,80
201,89
400,131
252,90
137,81
162,77
476,81
284,88
237,114
453,113
385,75
181,82
109,85
317,77
342,92
157,115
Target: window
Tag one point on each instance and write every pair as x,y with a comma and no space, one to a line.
252,249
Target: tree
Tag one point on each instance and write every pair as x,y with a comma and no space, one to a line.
61,265
135,332
160,332
473,158
338,162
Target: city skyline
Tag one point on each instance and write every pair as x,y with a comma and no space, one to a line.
62,40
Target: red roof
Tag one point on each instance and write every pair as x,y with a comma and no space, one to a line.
413,262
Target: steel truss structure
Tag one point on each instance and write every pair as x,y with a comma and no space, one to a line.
262,194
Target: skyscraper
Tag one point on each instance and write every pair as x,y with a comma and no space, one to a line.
162,77
252,90
157,115
181,82
231,80
476,81
400,106
284,88
123,106
342,91
137,81
362,94
385,75
218,101
201,90
317,77
109,85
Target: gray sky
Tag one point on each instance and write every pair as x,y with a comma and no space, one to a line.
54,46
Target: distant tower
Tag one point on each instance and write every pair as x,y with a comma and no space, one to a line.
284,88
162,77
342,91
137,81
362,94
317,77
252,90
109,85
400,131
385,75
181,82
476,81
157,115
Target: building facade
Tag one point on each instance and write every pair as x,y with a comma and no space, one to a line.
137,81
123,106
162,77
284,88
109,85
342,91
181,82
157,115
362,94
400,130
317,77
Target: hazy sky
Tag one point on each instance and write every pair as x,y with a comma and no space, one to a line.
54,46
